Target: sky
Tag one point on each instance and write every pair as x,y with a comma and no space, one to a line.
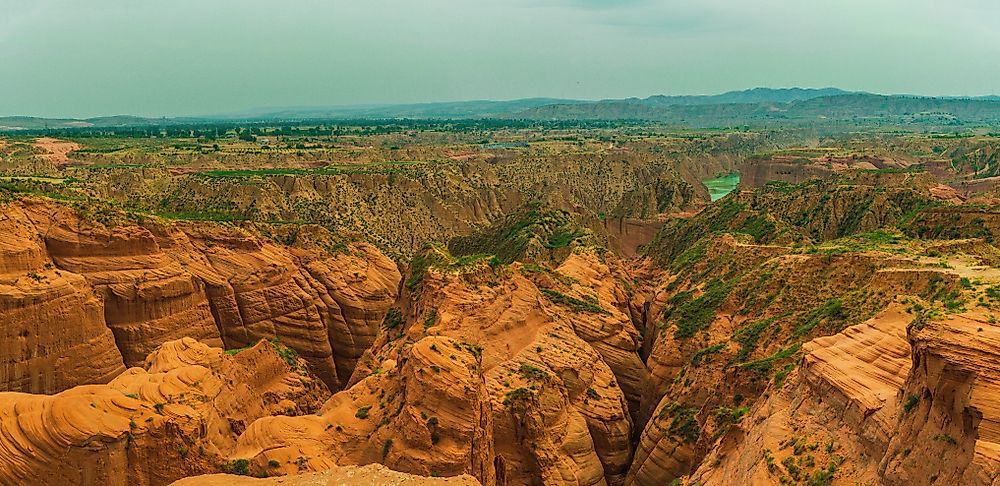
70,58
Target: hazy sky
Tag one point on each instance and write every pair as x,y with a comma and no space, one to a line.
179,57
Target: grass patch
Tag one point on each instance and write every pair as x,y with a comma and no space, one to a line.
765,365
578,305
529,372
290,356
696,314
748,336
703,353
683,423
831,310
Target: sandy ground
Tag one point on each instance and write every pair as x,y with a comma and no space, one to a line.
370,475
57,151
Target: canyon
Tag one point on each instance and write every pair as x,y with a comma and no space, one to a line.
566,313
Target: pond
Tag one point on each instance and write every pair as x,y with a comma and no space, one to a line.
722,185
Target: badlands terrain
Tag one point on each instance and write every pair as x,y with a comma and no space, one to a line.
499,304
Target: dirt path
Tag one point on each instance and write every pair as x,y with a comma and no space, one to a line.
57,151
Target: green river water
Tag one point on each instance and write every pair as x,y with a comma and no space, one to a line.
720,186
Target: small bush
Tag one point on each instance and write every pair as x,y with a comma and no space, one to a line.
683,423
529,372
362,412
236,466
514,395
945,438
393,318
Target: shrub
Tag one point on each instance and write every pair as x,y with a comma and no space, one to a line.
514,395
290,356
393,318
730,415
945,438
236,466
529,372
362,412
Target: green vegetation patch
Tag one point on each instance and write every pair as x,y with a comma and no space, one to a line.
240,467
764,365
393,318
529,372
438,257
578,305
683,423
705,353
516,395
831,310
696,314
517,236
290,356
749,336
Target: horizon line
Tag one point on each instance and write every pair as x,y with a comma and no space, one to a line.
245,113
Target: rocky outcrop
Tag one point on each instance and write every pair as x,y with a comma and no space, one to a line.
875,404
90,292
479,373
552,418
257,292
148,297
741,324
152,425
810,212
54,335
325,306
612,335
426,413
358,288
830,419
758,172
950,430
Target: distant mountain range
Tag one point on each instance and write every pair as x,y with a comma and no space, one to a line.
858,108
759,106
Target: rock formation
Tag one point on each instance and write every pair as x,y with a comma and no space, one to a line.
175,417
54,335
879,403
86,297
